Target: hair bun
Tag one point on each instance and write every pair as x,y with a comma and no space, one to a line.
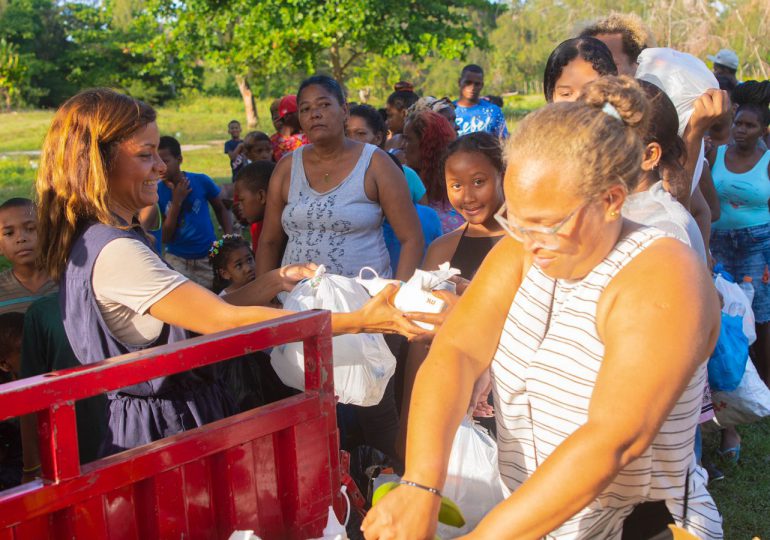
623,94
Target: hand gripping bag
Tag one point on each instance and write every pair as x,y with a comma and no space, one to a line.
363,364
684,78
473,477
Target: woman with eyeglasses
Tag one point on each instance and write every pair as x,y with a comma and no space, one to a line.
596,330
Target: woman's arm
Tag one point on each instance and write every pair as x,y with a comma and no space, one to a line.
655,337
272,237
185,305
442,249
396,203
709,192
459,355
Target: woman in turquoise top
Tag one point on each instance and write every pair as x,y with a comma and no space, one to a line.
740,239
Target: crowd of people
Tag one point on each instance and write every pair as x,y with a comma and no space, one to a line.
581,321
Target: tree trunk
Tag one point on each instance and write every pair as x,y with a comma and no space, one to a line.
338,71
252,120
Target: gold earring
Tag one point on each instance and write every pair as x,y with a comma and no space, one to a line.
613,214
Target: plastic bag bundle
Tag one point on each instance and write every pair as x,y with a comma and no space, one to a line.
363,363
684,78
736,303
473,478
748,403
415,294
728,361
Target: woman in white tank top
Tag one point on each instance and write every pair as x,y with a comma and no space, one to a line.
327,200
596,330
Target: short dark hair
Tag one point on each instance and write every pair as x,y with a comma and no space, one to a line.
472,68
479,142
17,202
589,49
167,142
330,84
372,117
403,99
256,175
231,122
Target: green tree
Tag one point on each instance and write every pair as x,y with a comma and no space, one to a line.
12,74
256,40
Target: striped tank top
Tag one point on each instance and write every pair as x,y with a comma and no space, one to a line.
544,372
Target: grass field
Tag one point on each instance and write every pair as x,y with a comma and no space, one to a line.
744,495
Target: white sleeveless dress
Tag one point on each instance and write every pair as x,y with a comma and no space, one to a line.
340,228
544,374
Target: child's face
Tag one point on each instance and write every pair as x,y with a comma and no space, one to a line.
234,129
240,267
19,234
11,362
259,151
173,165
251,205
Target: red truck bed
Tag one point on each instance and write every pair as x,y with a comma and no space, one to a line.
274,469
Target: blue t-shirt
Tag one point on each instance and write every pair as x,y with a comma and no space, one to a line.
416,187
194,230
431,229
484,116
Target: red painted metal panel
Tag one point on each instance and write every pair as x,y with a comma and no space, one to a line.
58,440
200,507
120,515
83,520
37,393
266,482
245,471
34,528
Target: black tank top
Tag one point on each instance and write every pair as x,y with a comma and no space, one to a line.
471,251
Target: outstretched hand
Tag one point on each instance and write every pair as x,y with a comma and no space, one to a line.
380,315
294,273
436,319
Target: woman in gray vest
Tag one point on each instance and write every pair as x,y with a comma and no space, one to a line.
99,167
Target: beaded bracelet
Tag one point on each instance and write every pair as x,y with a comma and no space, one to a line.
420,486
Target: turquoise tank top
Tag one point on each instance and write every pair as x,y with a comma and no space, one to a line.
743,198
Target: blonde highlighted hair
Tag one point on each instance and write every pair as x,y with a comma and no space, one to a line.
635,35
599,149
73,179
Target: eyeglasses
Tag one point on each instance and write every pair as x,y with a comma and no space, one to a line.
544,237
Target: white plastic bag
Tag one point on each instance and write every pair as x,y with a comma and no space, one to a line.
473,477
363,363
748,403
684,78
416,294
736,303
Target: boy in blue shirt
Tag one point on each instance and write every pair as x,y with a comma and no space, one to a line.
184,199
473,113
